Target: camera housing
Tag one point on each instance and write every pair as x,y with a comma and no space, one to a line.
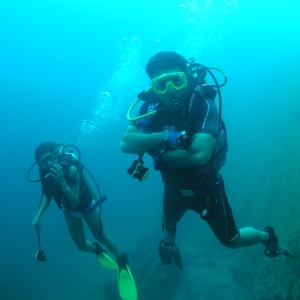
137,170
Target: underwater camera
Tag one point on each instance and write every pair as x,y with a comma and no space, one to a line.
63,159
67,158
138,170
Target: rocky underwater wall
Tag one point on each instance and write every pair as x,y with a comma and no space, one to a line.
277,203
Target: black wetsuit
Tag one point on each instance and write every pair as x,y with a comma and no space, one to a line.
199,188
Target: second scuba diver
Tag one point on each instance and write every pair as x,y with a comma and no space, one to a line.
65,180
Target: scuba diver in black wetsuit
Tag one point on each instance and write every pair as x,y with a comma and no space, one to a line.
66,180
180,127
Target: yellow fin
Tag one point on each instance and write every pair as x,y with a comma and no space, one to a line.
107,262
126,284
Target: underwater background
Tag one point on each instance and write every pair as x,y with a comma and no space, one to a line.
69,70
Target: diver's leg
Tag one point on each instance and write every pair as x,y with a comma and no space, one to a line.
173,210
223,219
249,236
93,221
218,214
220,218
75,227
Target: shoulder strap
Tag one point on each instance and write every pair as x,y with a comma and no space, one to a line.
197,95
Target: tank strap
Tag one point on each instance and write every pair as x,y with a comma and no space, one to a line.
197,91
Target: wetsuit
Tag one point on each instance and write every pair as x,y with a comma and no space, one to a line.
198,188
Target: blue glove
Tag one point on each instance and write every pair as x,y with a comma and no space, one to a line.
174,139
170,138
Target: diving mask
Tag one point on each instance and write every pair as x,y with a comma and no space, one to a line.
162,83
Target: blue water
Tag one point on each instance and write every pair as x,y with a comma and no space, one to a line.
69,71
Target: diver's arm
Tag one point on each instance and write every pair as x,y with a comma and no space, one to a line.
44,205
136,142
199,152
71,191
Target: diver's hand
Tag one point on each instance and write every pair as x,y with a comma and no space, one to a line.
57,172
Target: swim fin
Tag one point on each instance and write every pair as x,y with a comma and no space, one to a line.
168,253
104,258
275,250
126,283
272,247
